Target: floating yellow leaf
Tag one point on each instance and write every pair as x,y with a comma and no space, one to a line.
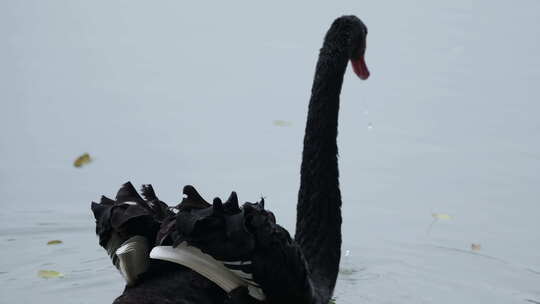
476,247
49,274
54,242
282,123
436,217
441,216
82,160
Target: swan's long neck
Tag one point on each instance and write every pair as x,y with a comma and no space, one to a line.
318,226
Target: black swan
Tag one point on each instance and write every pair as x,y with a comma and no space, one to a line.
243,242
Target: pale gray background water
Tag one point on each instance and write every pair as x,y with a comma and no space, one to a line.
173,94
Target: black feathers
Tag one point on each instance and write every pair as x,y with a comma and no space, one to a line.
192,199
127,193
245,238
218,229
148,192
129,215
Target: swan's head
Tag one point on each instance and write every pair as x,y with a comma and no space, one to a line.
358,49
349,32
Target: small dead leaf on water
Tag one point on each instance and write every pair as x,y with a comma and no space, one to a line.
436,218
282,123
54,242
476,247
50,274
441,216
82,160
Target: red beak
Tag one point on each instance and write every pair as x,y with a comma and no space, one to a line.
360,68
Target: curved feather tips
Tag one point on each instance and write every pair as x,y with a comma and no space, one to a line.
98,209
217,205
148,192
106,201
128,193
192,199
231,205
129,214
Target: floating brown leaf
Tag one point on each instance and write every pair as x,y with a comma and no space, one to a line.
82,160
476,247
54,242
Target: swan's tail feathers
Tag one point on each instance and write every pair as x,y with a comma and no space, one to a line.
120,220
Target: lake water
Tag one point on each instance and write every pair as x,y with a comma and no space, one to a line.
216,96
